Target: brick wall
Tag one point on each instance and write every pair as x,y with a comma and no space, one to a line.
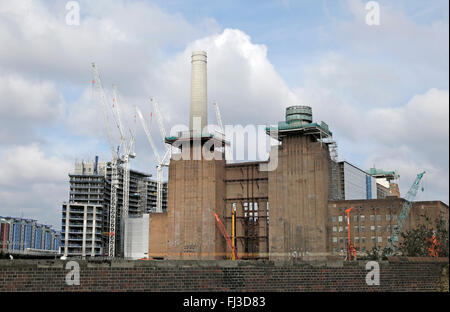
406,274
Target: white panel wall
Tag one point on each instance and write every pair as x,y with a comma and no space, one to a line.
136,237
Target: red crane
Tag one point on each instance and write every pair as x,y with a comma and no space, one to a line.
351,248
225,235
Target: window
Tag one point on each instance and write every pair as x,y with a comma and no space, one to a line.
394,217
340,229
362,218
379,228
340,218
345,218
341,240
356,229
388,228
334,228
363,228
346,228
334,240
363,239
356,239
372,228
372,218
378,217
373,239
355,218
380,239
333,218
388,217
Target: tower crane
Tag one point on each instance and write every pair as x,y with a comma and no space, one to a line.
114,165
161,162
406,208
128,147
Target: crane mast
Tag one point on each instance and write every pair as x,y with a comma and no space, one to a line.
406,208
114,166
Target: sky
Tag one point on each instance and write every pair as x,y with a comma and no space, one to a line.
382,89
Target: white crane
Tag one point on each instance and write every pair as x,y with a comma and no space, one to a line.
162,162
128,147
114,165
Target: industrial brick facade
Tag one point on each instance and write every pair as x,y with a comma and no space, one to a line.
196,192
298,195
372,221
408,274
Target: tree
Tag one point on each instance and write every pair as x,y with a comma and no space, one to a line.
416,242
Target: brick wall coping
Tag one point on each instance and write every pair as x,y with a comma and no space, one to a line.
120,263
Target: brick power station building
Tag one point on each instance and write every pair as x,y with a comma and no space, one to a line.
295,209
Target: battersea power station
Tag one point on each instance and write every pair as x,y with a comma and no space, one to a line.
292,205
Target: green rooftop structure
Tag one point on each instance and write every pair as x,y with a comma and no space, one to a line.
299,119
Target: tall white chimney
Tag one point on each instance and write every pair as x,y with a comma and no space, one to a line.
198,111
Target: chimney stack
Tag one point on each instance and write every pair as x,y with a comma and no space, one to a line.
198,110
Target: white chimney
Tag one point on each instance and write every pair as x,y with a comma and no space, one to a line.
198,110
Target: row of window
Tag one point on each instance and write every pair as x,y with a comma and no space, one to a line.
374,239
361,208
362,228
362,218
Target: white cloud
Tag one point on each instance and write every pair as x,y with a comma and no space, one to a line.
32,183
24,164
24,105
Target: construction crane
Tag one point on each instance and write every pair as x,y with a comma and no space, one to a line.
406,208
128,147
227,238
114,165
351,249
161,162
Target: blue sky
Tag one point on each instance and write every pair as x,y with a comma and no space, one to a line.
383,89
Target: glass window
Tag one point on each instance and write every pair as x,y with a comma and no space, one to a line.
372,228
394,217
379,228
388,217
372,218
378,217
340,218
333,218
334,240
334,228
356,229
355,218
363,239
388,228
380,239
362,218
356,239
373,239
363,228
340,229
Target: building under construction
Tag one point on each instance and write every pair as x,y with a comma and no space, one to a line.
85,217
295,210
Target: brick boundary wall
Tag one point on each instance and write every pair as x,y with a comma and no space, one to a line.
405,274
